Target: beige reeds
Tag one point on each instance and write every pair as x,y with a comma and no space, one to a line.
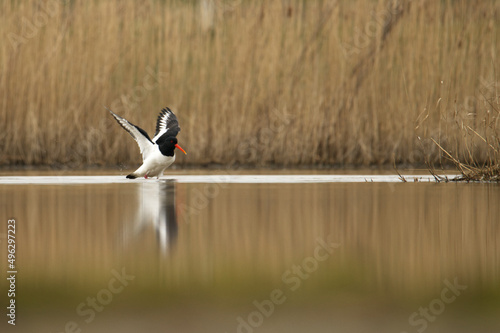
263,82
468,157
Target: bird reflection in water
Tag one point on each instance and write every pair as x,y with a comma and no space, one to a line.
156,210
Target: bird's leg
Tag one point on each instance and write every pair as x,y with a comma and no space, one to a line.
146,176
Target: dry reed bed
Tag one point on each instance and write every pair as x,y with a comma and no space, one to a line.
465,157
261,82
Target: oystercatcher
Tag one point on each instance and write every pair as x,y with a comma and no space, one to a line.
157,154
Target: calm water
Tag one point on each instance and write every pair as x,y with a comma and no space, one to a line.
183,256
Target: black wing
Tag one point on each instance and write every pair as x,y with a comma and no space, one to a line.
167,122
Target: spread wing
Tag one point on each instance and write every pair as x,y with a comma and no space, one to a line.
140,136
167,122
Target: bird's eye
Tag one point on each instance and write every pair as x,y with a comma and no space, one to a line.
171,141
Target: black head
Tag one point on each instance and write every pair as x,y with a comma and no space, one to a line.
167,144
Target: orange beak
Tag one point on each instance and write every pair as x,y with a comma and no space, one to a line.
179,147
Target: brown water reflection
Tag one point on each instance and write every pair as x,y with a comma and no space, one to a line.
394,242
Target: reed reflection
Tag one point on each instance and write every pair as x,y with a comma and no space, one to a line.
155,211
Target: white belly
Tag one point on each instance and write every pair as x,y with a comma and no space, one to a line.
154,165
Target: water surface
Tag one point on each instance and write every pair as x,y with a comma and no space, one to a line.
332,256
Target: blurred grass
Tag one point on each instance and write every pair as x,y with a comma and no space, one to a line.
252,82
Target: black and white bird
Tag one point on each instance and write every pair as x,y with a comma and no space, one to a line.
158,153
